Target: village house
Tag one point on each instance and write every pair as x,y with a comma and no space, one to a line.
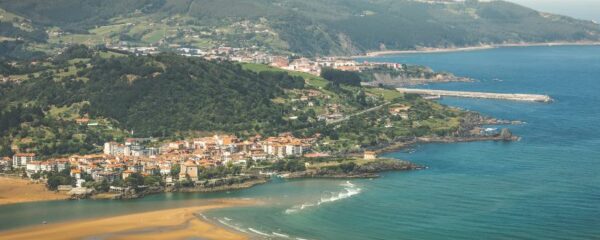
82,121
399,110
284,146
304,65
280,61
5,164
188,169
33,167
370,155
76,173
127,173
20,160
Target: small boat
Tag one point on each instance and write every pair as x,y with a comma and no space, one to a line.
44,222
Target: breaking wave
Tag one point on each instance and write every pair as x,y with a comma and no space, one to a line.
259,232
227,222
349,191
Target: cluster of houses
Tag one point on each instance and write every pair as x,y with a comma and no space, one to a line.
314,66
120,160
255,55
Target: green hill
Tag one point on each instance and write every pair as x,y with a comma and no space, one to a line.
76,101
301,26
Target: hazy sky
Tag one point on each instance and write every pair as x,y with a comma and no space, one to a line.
584,9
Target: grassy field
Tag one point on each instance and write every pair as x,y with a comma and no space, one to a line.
387,94
312,80
110,54
155,35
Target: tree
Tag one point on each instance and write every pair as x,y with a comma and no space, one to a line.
35,176
250,163
53,182
175,169
87,177
348,167
134,180
152,181
104,186
341,77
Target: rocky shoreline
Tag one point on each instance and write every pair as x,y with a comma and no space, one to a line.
399,145
369,170
223,188
133,194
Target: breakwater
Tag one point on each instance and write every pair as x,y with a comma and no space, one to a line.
485,95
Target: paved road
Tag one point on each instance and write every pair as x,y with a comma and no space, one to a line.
347,117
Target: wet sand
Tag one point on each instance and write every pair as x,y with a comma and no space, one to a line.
14,190
181,223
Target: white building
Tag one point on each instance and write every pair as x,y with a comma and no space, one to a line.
33,167
20,160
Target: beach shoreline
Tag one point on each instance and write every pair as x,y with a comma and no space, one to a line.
179,223
472,48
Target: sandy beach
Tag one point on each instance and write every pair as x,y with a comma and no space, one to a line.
181,223
474,48
14,190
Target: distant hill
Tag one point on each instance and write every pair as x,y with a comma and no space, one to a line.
308,27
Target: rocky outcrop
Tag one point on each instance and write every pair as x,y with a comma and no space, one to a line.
81,193
506,134
221,185
349,170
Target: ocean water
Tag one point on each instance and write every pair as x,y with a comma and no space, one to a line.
546,186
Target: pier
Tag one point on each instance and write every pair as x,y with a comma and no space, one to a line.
484,95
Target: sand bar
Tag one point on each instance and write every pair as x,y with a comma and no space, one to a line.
15,190
180,223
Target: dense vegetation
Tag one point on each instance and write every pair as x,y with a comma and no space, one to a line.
7,29
341,77
167,93
311,27
76,101
149,95
16,50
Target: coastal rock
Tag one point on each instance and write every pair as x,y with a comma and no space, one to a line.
368,170
506,134
80,193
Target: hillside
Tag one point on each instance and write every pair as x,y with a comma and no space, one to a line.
76,101
310,27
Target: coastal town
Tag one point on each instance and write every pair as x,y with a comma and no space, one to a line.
299,119
290,62
132,167
171,163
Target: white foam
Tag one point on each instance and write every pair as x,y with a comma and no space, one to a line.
347,184
291,210
349,191
259,232
224,222
280,235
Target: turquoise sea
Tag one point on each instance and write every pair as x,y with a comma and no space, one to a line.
546,186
